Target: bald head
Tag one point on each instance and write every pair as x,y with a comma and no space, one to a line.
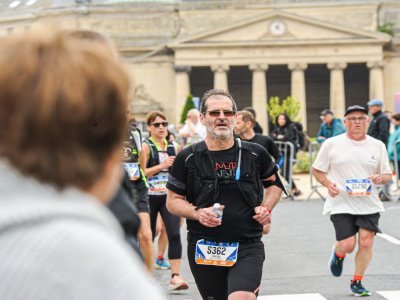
193,115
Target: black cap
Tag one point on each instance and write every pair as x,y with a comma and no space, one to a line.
354,108
326,112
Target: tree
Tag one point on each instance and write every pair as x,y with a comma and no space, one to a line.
289,106
189,104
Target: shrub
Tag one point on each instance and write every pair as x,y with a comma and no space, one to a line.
289,106
189,104
302,165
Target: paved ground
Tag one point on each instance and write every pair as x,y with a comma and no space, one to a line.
297,253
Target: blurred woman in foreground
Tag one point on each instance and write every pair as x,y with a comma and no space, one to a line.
62,120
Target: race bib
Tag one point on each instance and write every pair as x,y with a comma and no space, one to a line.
216,254
358,187
133,170
158,184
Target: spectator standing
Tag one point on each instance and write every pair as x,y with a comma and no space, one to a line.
330,126
379,129
285,131
380,123
393,138
59,162
193,131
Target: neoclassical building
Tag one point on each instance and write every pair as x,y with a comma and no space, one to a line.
326,54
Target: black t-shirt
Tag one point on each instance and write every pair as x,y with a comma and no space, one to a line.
237,222
267,143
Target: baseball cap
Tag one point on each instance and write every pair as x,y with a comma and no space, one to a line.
326,112
375,102
354,108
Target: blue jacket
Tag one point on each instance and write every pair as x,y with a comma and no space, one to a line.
394,137
326,131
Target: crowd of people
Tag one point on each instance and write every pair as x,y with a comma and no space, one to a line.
74,165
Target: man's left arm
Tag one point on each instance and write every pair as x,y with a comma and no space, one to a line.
272,194
384,172
381,178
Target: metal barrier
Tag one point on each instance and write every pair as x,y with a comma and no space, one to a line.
287,150
313,149
396,165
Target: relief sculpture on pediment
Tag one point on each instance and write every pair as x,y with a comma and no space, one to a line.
142,102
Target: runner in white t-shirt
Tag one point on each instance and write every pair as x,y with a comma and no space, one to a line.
350,165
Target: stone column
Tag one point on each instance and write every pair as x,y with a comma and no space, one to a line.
220,76
376,87
259,94
182,88
298,89
337,101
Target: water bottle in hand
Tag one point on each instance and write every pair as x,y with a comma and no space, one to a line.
217,209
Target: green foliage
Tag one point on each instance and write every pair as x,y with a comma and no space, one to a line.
387,28
189,104
289,106
302,165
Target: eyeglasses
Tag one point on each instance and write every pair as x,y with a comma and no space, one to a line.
359,119
217,113
158,124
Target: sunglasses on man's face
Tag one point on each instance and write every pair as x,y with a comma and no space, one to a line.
217,113
158,124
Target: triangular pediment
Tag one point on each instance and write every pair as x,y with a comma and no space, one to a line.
279,26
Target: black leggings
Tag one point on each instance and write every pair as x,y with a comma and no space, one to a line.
171,223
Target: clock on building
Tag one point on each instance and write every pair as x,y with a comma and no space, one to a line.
277,27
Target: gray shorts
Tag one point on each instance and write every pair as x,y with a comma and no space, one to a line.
347,225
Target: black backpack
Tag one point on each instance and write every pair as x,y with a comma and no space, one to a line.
300,136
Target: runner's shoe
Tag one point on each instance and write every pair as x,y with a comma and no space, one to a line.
358,289
336,264
162,264
177,283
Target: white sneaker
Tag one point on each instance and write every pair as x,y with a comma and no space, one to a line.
177,283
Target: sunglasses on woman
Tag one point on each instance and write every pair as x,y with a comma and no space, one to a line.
158,124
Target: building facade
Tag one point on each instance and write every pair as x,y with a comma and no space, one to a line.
326,54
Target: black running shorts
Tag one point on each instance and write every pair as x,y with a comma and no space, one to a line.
142,196
217,283
347,225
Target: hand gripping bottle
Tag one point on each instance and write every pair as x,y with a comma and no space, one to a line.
217,209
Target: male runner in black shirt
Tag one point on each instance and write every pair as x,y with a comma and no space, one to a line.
225,255
244,130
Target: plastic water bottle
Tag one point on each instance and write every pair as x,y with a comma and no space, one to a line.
217,209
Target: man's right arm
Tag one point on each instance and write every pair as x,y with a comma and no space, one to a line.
177,205
323,179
